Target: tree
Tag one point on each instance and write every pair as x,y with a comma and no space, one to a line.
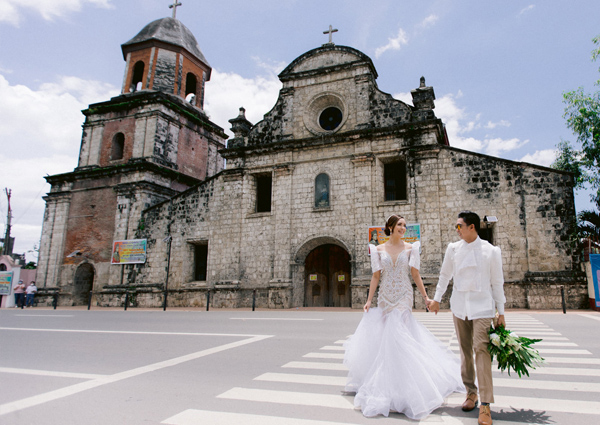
582,113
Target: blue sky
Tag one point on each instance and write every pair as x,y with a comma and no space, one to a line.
498,68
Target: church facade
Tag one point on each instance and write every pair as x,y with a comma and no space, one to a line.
286,222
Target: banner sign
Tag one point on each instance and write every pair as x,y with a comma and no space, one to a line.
132,251
377,234
5,282
595,263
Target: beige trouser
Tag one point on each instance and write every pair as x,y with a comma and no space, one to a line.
473,336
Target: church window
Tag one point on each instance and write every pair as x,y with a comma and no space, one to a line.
138,76
394,177
322,191
118,146
200,261
190,88
330,118
263,193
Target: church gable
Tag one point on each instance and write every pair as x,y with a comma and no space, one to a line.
327,57
331,91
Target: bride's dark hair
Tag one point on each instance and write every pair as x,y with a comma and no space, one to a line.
391,223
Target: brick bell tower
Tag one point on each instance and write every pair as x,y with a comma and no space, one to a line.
137,149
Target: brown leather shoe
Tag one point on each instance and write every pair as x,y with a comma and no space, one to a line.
485,415
470,403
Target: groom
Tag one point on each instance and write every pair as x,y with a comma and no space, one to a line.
476,267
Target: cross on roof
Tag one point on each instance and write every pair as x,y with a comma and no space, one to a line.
174,7
330,32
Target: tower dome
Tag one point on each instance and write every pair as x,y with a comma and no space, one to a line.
165,56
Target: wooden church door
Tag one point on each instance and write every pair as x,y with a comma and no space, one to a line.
327,277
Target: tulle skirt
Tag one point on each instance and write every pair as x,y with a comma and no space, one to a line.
396,364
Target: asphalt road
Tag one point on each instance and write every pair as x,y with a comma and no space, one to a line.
73,366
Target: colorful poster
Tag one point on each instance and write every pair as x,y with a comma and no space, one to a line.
377,234
595,263
132,251
5,282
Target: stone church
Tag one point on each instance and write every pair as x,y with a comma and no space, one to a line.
279,214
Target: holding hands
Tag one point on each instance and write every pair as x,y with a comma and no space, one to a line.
433,306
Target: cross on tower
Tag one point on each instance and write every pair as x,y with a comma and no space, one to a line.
330,32
174,7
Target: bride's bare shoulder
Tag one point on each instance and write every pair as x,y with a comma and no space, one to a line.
381,247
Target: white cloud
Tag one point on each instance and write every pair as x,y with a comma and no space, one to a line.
544,157
11,10
393,43
404,97
227,92
501,123
273,68
460,125
430,21
497,146
42,127
526,9
49,118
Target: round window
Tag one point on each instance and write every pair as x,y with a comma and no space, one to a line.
330,118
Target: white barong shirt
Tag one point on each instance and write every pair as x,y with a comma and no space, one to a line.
476,268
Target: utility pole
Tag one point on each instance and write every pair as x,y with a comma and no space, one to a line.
7,250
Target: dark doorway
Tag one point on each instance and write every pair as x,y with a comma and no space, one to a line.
327,277
84,282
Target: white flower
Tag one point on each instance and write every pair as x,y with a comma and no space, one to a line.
495,339
514,335
513,342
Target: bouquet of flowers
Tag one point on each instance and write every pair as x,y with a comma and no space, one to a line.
513,351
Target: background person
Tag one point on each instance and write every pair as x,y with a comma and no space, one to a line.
19,291
31,291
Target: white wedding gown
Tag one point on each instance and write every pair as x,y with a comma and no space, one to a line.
394,362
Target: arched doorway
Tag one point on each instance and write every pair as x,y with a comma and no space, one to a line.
327,277
84,282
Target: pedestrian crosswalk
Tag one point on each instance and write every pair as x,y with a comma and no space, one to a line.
568,383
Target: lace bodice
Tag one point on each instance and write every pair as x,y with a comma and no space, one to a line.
395,287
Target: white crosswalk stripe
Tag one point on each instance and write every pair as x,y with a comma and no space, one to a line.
288,397
324,355
195,417
338,381
319,377
315,366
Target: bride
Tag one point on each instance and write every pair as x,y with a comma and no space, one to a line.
394,362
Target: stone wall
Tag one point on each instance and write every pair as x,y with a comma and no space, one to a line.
257,249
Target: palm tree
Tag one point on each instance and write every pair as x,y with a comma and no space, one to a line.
588,231
589,224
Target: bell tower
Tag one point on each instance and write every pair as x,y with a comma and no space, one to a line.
165,57
138,149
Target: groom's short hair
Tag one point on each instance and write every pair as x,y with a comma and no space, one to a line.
469,217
